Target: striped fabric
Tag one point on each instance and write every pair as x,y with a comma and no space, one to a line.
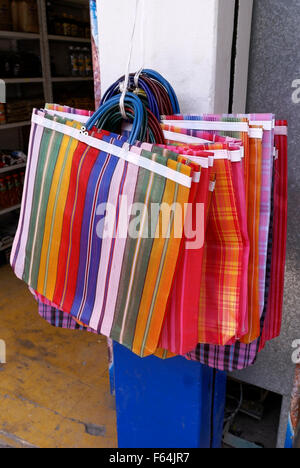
265,205
238,208
253,187
173,330
223,247
239,355
180,330
69,323
222,265
274,311
58,250
68,110
237,169
199,195
225,358
265,196
237,310
253,184
58,318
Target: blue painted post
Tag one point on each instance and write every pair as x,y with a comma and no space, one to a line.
218,409
167,404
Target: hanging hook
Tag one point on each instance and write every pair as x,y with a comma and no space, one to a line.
126,82
142,40
137,77
124,90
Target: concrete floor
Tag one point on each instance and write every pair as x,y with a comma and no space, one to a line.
54,389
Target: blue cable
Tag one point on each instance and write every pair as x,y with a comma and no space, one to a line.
139,115
152,104
157,76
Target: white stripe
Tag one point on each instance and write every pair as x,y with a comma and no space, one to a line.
208,125
121,153
212,186
266,124
202,161
256,133
181,138
233,156
281,131
196,177
211,161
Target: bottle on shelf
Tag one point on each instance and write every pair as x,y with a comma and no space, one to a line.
81,61
66,25
18,187
87,31
22,177
10,191
88,62
5,15
74,65
28,16
3,193
15,15
2,114
50,17
74,26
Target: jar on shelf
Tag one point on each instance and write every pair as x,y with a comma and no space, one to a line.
66,25
28,16
58,26
2,114
15,15
88,62
81,61
5,15
3,194
22,177
18,187
74,66
11,192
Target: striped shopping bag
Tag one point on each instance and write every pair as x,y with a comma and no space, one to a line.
273,321
60,249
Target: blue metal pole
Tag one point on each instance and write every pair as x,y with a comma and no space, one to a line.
171,403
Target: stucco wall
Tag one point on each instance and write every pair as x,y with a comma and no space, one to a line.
183,40
274,66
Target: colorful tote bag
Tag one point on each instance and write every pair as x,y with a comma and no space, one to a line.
275,303
223,357
238,127
229,248
58,318
239,355
180,330
173,330
60,250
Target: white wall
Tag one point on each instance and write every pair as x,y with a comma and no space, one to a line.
189,42
242,57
